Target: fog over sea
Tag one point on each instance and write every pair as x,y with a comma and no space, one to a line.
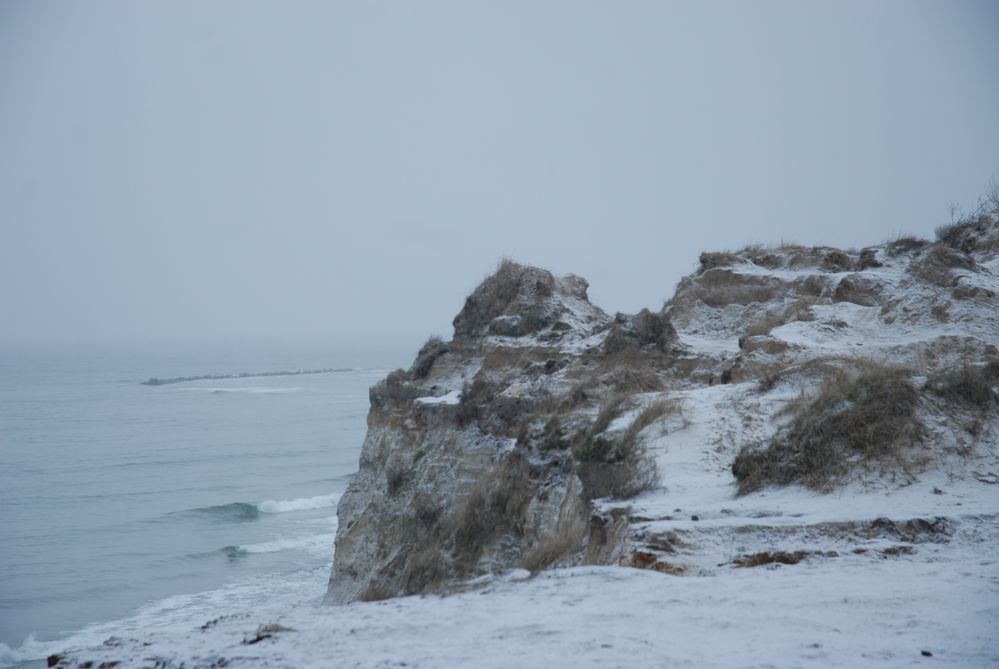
124,505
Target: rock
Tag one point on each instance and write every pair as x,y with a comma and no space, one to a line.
450,490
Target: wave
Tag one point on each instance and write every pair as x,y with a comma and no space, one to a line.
237,512
31,649
154,381
311,542
300,504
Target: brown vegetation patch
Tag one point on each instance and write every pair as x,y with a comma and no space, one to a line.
855,419
433,349
646,560
710,260
394,390
970,384
895,551
778,557
906,244
565,540
645,330
511,302
937,265
617,465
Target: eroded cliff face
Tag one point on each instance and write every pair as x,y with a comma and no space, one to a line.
490,451
463,469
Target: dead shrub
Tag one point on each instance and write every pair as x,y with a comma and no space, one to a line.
475,396
495,506
427,569
553,436
970,384
906,244
426,511
778,557
615,465
510,302
977,231
868,259
393,390
645,330
649,415
937,264
566,540
711,260
856,418
434,348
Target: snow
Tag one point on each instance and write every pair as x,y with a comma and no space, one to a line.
821,613
452,397
866,595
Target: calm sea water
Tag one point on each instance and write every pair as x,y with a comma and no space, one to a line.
118,498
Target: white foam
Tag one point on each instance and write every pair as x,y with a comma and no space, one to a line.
300,504
314,543
31,649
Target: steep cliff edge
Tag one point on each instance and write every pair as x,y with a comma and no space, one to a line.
465,468
514,444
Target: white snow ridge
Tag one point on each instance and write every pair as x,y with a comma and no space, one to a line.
794,464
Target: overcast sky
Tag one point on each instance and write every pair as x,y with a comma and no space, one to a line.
352,170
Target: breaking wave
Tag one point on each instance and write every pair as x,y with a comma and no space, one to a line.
300,504
236,512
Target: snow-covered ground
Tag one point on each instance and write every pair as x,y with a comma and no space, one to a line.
875,588
845,612
886,572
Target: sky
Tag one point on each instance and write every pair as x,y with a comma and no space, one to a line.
350,171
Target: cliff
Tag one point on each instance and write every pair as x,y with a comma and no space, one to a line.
798,456
547,432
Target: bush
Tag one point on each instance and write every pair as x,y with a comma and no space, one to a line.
434,348
969,384
495,506
618,466
515,293
977,231
711,260
475,396
937,264
906,244
858,417
394,389
645,330
567,539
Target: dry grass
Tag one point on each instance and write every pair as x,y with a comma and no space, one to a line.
857,418
650,414
977,231
394,390
513,291
618,466
434,348
711,260
566,540
970,385
799,310
906,244
495,506
936,266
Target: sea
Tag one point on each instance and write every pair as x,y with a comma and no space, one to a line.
126,506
